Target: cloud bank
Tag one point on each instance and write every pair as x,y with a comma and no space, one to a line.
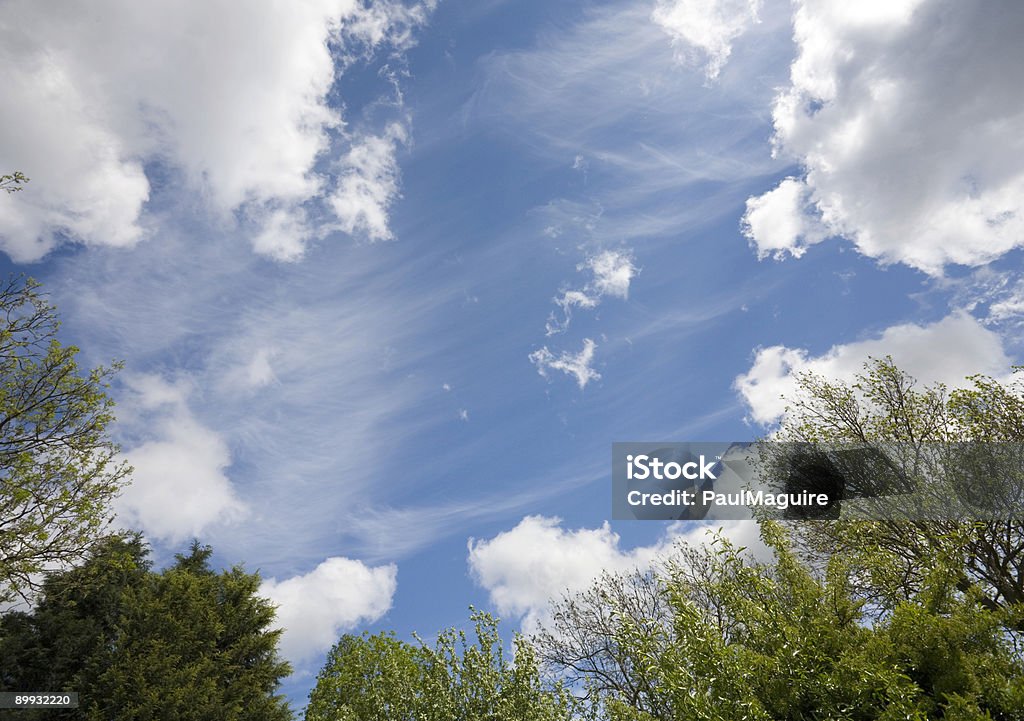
943,352
905,122
237,102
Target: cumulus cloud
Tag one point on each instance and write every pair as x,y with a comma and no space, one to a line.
905,122
179,486
315,608
782,221
612,271
705,29
944,352
237,101
537,561
369,184
576,365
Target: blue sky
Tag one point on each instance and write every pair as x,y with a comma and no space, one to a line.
389,279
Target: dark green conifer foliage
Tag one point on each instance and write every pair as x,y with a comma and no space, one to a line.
185,643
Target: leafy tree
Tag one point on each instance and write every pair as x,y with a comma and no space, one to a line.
946,442
185,643
60,644
776,641
583,639
12,183
379,678
58,469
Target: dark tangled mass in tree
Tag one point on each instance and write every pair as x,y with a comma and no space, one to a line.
960,453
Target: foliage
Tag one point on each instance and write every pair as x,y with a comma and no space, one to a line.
58,469
12,183
583,640
185,643
774,641
939,433
379,678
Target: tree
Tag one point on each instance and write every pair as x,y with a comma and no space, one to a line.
582,640
185,643
60,644
379,678
12,183
778,641
943,444
59,471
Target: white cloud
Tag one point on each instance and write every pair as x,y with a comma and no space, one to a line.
179,487
945,352
781,222
525,568
369,184
260,372
1001,291
237,101
905,120
283,235
315,608
85,181
577,365
612,270
705,28
1010,307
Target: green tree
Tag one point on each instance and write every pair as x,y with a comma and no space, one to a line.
940,442
185,643
777,641
582,640
12,183
379,678
59,470
61,644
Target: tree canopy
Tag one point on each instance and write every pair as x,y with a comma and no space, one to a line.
380,678
774,641
59,470
949,440
184,643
